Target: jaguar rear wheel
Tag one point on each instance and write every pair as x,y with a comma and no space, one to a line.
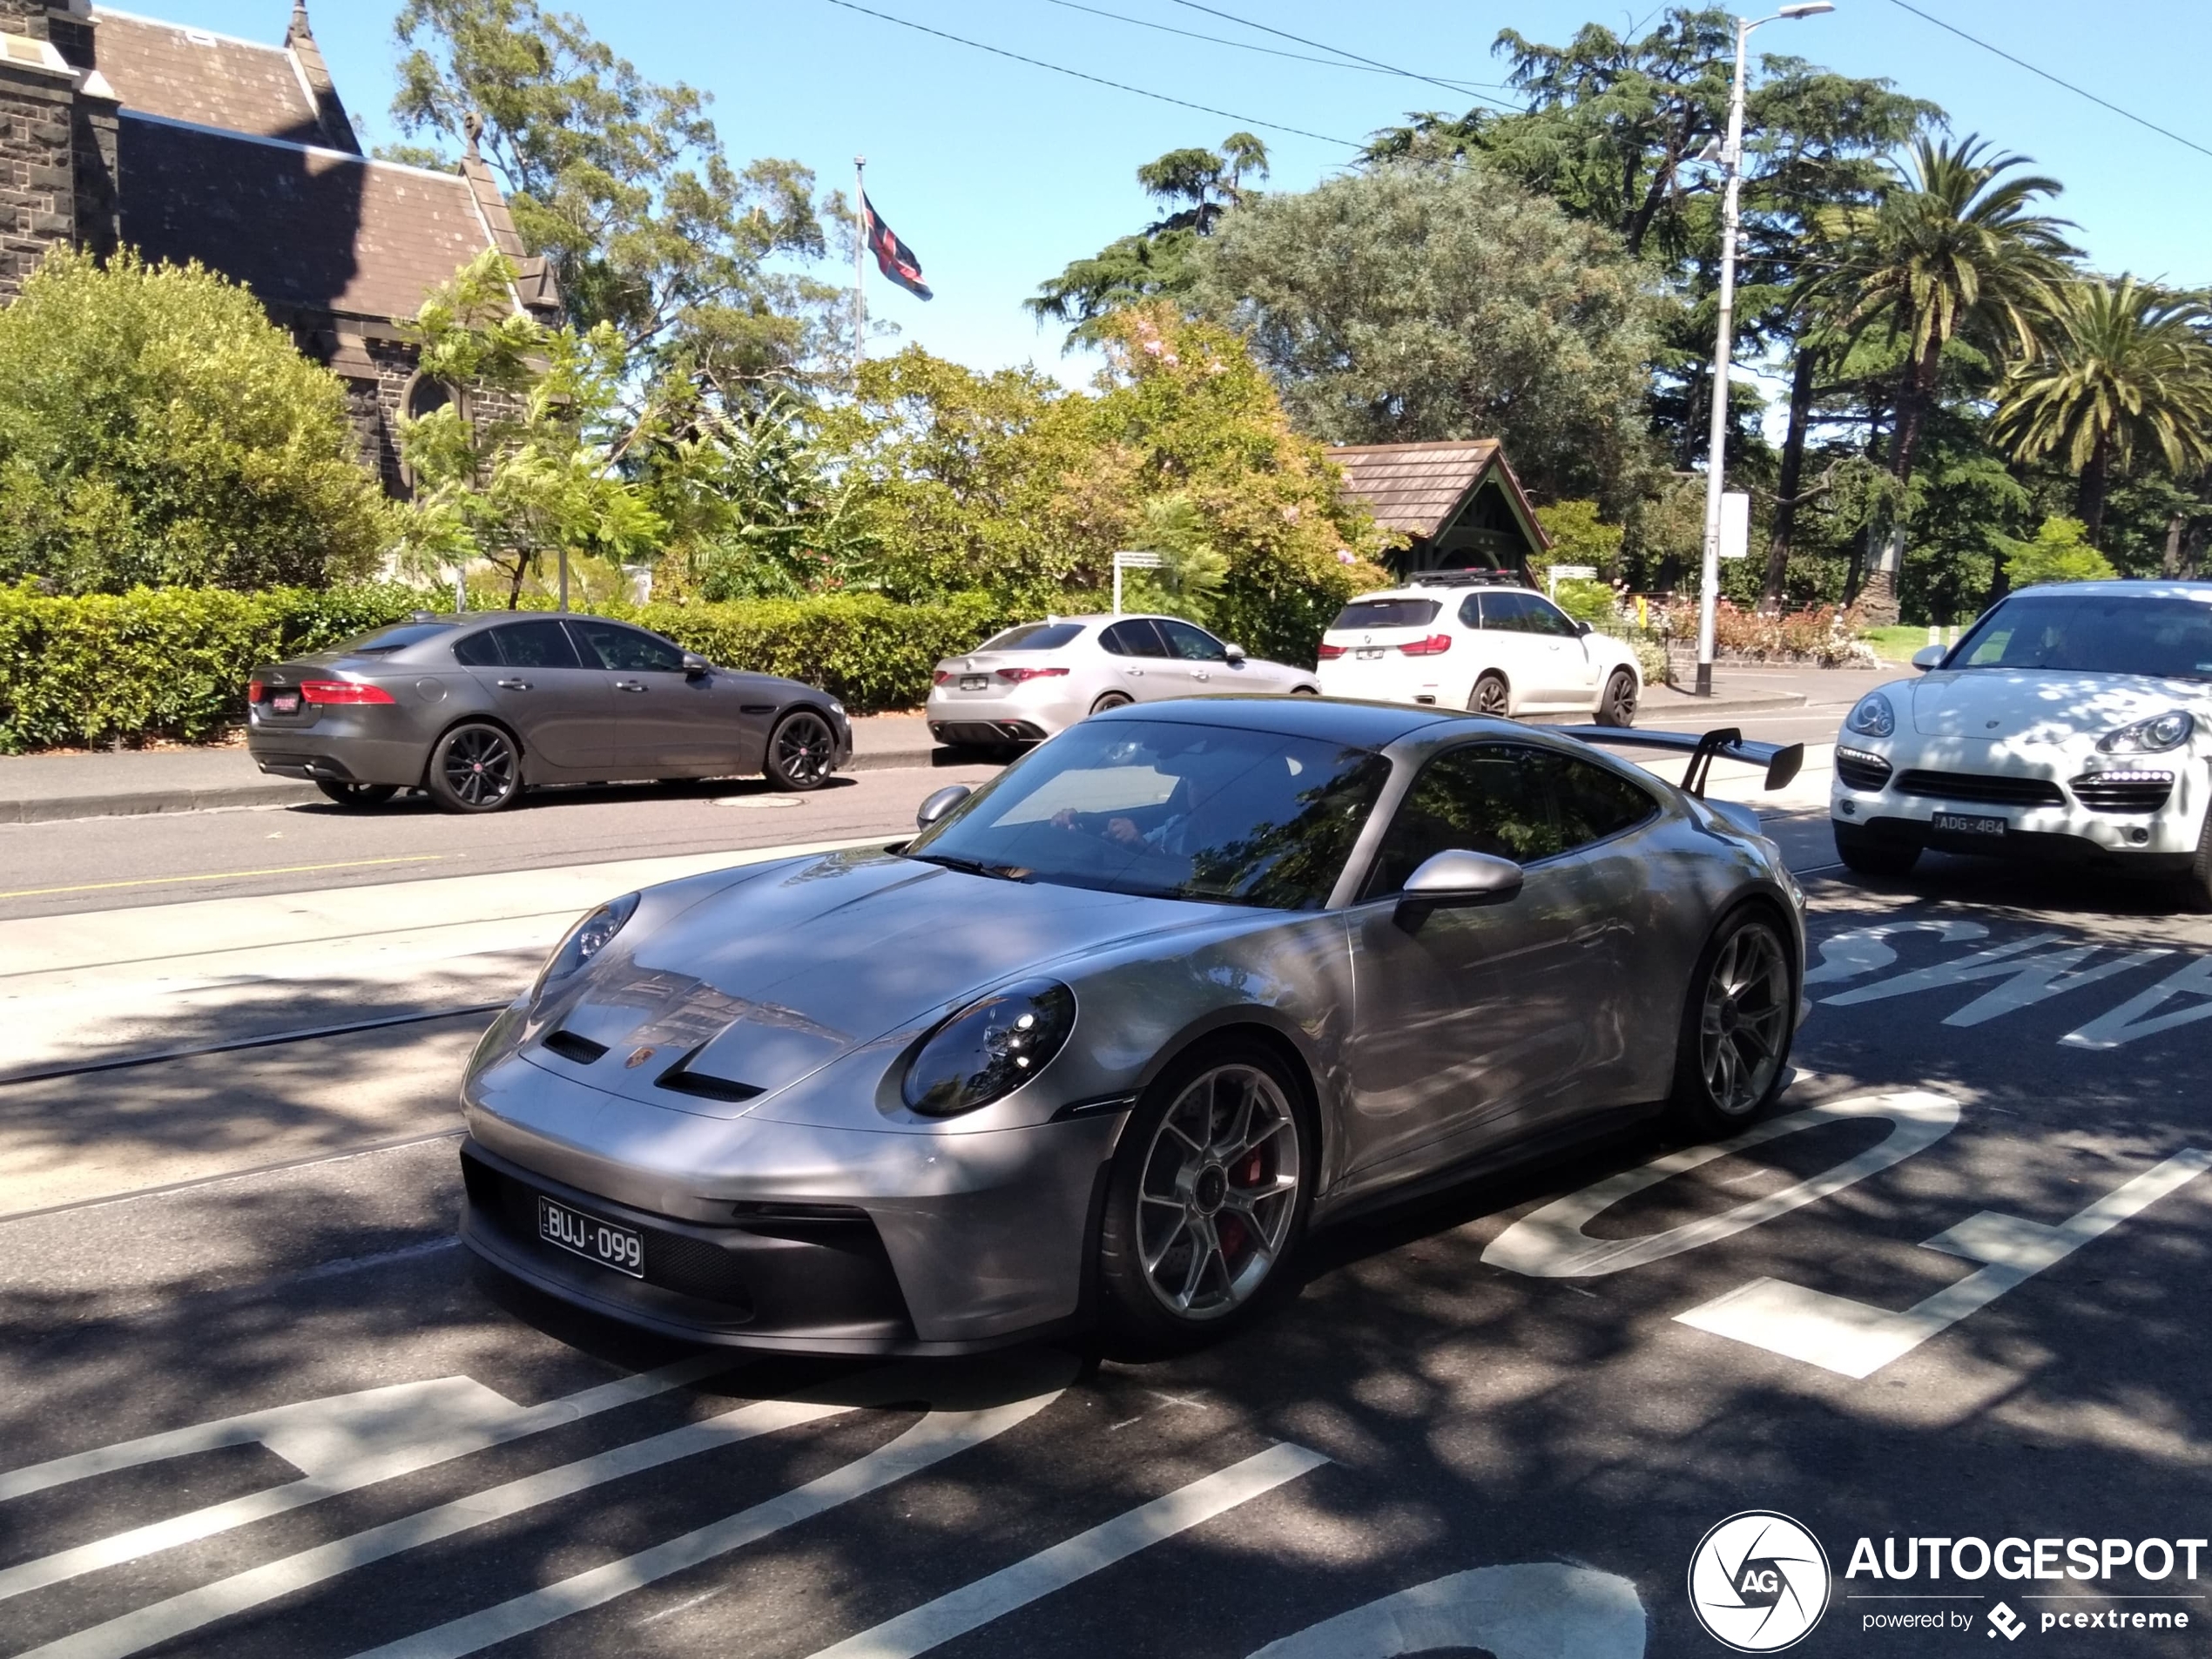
475,768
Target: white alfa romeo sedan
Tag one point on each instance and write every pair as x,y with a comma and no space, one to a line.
1458,640
2072,722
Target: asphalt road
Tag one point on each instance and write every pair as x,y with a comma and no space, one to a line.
1955,1288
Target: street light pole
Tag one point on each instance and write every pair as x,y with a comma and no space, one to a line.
1708,592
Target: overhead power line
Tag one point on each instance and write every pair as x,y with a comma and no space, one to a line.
2079,91
1319,45
1096,80
1254,46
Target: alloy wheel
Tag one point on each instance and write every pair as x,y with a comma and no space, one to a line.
478,766
1620,701
1217,1193
1745,1020
802,749
1490,697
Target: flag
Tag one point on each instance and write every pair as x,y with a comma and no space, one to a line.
892,257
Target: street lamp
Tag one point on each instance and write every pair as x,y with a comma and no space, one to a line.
1715,467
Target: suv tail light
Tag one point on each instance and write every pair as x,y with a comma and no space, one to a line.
1330,653
1015,676
1435,645
342,691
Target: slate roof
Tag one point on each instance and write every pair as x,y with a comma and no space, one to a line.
307,228
1415,487
215,80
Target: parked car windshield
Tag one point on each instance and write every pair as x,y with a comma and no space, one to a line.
1034,635
382,642
1387,613
1170,811
2094,632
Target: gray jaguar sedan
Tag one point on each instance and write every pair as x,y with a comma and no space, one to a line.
1115,1031
474,710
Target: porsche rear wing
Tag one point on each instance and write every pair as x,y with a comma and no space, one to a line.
1781,761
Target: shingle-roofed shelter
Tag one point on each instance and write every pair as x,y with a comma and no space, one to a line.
117,130
1457,499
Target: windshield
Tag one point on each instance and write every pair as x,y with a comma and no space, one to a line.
1387,613
1034,635
382,642
2094,632
1170,811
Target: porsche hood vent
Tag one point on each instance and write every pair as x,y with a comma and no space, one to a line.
570,1046
681,1079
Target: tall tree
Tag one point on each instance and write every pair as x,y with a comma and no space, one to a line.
1199,187
2125,367
1953,250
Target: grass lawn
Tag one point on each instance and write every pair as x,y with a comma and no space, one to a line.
1896,644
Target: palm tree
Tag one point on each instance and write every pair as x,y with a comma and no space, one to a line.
2125,365
1952,250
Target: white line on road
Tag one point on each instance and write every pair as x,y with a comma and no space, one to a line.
976,1605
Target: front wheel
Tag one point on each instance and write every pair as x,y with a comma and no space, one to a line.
475,768
2197,883
1737,1023
1618,705
356,794
1208,1197
1111,700
1305,690
801,751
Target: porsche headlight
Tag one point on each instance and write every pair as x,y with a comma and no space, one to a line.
586,940
2154,735
1873,715
990,1048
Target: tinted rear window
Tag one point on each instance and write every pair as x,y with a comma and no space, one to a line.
382,642
1387,613
1034,635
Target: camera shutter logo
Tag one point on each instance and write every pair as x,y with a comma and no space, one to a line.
1758,1582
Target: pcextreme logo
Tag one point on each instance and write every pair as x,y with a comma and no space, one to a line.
1759,1582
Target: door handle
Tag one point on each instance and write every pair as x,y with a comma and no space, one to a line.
629,685
514,686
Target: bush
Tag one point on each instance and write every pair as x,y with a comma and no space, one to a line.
174,663
1827,635
2060,552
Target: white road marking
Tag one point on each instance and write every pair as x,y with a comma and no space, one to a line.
163,1620
1855,1340
339,1444
938,1436
2133,1019
1549,1242
1861,950
2028,980
973,1606
1536,1610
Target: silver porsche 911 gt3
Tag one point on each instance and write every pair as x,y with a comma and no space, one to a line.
1115,1031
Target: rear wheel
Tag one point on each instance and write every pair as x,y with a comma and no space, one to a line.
475,768
1305,690
1863,855
801,751
356,794
1208,1197
1490,697
1112,700
1737,1027
1618,705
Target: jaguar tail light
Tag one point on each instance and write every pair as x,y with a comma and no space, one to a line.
1435,645
1016,676
942,677
253,690
1330,653
342,691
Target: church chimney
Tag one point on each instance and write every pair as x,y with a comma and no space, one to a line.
337,128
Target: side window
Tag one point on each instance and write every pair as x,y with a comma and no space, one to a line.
628,650
1592,803
1545,617
1489,798
1137,638
1471,611
536,644
478,649
1505,613
1192,645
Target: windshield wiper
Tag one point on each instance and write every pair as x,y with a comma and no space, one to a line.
974,867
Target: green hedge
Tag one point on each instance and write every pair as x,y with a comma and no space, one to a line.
174,663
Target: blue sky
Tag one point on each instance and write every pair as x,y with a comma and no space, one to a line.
998,173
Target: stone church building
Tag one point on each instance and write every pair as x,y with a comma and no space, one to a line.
120,131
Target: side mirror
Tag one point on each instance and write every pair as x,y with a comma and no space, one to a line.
1234,653
941,803
1930,656
1581,628
1456,879
696,667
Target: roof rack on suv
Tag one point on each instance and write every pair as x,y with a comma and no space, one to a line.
1466,579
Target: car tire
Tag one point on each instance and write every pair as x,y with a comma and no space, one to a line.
1618,705
802,752
1305,690
345,794
2196,882
1732,1056
1863,855
1111,700
476,767
1182,1259
1491,696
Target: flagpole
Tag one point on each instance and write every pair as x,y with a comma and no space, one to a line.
860,262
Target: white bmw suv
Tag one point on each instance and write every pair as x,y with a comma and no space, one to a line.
2072,721
1464,641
